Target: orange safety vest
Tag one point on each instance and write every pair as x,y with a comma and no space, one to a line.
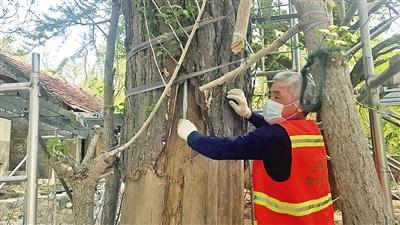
305,198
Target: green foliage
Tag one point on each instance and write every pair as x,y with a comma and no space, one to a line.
168,13
392,134
338,37
150,108
96,85
55,146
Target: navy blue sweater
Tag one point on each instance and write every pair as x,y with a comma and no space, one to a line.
269,143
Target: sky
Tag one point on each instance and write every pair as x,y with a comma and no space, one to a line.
56,49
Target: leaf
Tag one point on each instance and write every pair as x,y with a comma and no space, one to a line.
186,13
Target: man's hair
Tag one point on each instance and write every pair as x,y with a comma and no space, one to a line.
294,79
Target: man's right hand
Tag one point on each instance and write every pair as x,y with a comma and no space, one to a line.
239,104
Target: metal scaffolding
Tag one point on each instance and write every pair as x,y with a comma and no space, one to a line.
19,99
30,212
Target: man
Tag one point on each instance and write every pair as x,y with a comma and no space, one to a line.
290,176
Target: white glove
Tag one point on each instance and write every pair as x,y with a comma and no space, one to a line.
185,127
240,106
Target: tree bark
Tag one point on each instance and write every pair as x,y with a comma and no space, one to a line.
83,201
166,182
361,198
113,180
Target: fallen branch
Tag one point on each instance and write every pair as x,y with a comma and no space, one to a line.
252,59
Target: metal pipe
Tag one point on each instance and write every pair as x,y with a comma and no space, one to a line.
32,163
342,11
393,166
378,141
269,73
6,87
185,100
377,81
12,178
296,54
262,69
373,35
390,72
393,161
391,120
15,170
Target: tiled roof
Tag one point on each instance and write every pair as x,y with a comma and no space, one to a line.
73,96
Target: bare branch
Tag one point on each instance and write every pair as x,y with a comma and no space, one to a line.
91,19
169,25
162,46
92,145
63,169
93,22
151,46
176,18
252,59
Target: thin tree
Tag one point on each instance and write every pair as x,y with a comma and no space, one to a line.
113,180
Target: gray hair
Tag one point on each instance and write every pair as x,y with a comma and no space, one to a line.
294,79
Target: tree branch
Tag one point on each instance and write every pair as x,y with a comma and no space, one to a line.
242,22
91,19
252,59
63,169
92,145
93,23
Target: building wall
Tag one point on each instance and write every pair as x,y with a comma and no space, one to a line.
5,131
19,133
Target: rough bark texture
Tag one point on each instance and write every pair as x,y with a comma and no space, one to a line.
166,182
83,201
361,199
113,180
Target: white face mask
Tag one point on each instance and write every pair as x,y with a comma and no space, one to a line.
272,111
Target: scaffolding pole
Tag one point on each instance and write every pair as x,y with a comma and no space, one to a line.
7,87
14,171
375,118
32,151
296,54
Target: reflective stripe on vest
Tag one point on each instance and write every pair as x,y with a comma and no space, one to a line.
299,141
294,209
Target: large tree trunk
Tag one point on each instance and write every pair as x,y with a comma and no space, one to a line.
361,198
166,182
